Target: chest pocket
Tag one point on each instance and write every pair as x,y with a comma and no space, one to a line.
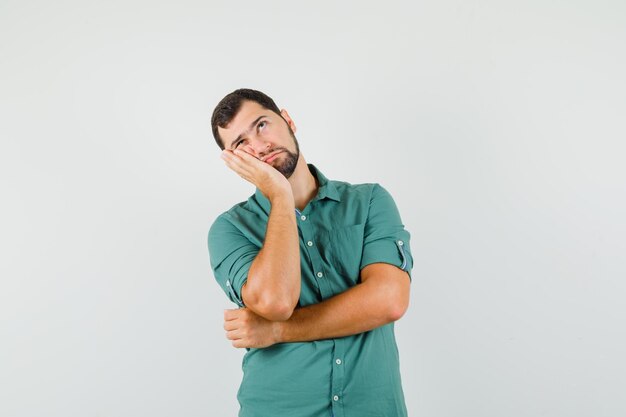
344,248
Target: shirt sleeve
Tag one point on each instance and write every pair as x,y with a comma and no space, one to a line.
385,238
231,255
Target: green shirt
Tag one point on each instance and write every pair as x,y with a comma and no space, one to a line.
343,229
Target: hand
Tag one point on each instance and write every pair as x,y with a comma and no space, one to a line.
248,330
264,176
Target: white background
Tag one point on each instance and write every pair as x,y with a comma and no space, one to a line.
498,126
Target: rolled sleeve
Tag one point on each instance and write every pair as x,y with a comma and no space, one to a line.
385,238
231,255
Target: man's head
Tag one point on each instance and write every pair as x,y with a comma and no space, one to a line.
250,120
229,106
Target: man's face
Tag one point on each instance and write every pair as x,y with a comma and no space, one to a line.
264,135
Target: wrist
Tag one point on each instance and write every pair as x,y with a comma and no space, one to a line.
280,195
282,201
278,331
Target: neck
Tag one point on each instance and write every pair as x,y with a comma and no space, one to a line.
303,184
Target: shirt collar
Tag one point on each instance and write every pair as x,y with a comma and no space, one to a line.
326,189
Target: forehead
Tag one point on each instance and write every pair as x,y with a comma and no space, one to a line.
248,112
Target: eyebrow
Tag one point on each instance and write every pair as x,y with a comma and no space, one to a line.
249,129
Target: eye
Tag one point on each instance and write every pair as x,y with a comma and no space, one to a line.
239,142
261,125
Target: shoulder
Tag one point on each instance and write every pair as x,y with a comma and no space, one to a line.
232,218
365,191
369,201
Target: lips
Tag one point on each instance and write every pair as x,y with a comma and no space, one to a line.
271,156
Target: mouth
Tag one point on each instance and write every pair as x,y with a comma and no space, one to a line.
271,157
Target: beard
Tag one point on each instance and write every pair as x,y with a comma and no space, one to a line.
290,159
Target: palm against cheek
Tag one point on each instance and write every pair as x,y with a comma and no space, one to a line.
264,176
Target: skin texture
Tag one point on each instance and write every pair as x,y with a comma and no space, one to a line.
259,145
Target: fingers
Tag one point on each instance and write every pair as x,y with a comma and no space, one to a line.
238,338
232,314
239,344
245,156
235,325
239,157
234,162
230,325
245,165
234,319
235,334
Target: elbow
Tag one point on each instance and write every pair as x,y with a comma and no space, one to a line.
397,303
268,305
395,312
389,289
275,310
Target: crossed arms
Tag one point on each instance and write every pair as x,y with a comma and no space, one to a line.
381,297
272,288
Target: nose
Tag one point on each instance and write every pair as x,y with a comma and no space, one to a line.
259,147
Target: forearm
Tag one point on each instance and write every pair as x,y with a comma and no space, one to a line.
361,308
272,289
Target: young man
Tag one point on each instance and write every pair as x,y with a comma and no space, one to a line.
319,268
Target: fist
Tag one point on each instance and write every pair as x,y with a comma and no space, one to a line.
246,329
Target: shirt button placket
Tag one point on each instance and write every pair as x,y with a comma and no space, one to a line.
338,374
325,291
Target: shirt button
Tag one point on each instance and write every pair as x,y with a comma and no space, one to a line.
303,218
319,275
336,398
400,242
309,243
338,361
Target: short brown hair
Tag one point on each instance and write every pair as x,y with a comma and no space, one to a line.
229,106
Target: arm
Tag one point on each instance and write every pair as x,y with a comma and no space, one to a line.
272,287
380,298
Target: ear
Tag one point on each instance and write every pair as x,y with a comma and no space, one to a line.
288,119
